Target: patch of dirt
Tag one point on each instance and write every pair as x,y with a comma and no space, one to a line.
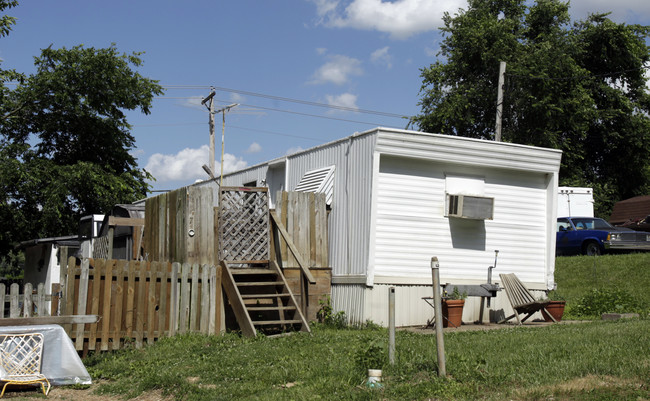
607,385
70,394
591,382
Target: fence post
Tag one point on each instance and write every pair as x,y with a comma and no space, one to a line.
14,305
41,301
437,302
391,325
3,294
28,302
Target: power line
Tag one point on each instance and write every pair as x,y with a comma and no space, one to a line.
276,133
288,111
286,99
309,103
309,115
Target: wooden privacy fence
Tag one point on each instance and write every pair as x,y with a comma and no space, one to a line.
304,216
180,226
139,301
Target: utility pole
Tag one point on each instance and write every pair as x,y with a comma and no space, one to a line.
502,75
210,98
223,111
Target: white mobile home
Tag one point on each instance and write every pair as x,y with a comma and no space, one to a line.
399,197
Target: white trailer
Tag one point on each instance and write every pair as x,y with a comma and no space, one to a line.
399,197
573,201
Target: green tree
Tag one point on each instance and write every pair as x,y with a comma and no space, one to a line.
66,139
576,87
6,21
65,143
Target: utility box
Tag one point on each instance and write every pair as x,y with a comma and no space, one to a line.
572,201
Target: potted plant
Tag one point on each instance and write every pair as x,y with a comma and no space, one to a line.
452,308
555,308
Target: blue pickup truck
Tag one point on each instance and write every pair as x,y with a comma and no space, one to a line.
594,236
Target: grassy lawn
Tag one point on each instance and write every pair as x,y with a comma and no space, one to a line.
593,360
623,276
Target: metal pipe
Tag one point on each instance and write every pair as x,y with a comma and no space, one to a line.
391,325
437,306
496,254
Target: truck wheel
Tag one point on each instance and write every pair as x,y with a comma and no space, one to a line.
591,248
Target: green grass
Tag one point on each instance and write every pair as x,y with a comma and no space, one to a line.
513,363
578,276
592,360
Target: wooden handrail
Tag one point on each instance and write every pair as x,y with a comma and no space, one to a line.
294,250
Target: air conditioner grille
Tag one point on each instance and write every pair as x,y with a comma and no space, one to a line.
470,207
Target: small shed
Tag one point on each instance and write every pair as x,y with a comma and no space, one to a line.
633,213
42,259
397,198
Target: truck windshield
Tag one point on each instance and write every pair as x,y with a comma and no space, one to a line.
591,224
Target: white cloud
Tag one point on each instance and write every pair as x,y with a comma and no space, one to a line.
400,18
237,98
382,57
343,100
337,70
136,153
293,150
254,148
321,50
193,102
186,164
630,11
404,18
324,7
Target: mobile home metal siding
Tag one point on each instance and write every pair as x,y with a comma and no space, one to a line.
411,226
255,173
467,151
409,207
349,220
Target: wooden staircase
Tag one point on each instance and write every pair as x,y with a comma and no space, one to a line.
261,299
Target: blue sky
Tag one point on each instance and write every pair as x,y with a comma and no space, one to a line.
363,55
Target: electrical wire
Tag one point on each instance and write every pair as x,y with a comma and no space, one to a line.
256,107
286,99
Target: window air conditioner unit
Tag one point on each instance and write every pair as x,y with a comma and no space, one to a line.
470,207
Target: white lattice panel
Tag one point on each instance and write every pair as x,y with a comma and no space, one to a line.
244,224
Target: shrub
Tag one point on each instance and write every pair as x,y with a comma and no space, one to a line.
327,316
605,300
370,356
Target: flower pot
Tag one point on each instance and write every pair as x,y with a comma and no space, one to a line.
452,310
555,309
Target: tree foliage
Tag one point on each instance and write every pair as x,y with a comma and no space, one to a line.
65,143
579,87
6,21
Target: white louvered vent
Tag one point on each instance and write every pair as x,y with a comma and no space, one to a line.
319,181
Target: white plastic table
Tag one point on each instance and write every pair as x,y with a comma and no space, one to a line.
61,363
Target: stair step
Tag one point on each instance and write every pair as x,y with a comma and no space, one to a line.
251,270
258,283
268,308
273,322
253,296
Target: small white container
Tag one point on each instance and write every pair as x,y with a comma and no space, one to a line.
374,378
